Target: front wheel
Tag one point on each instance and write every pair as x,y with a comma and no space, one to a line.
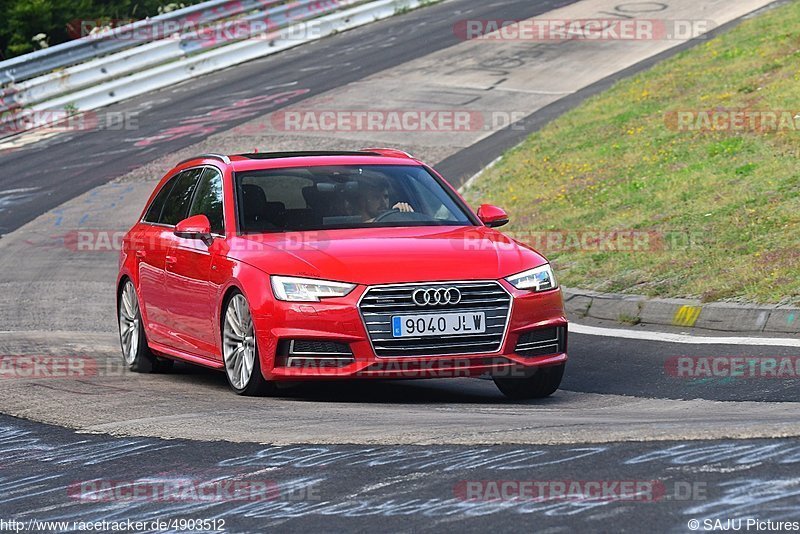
135,351
541,384
240,351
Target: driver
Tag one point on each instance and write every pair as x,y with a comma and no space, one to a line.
373,200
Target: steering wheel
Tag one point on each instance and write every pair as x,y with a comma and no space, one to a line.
385,215
395,215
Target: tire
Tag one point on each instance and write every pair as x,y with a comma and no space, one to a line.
135,351
541,384
240,350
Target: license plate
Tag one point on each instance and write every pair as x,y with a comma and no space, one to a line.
445,324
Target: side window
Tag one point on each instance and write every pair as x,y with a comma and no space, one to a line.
208,200
154,211
176,207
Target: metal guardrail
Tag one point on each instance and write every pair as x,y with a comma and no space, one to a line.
91,46
163,50
146,73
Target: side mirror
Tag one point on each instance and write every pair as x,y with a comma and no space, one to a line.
195,227
492,216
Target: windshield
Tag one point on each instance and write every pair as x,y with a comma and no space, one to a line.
351,196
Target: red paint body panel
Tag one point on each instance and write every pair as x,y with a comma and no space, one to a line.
182,284
191,296
389,255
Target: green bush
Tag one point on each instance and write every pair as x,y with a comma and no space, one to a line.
22,20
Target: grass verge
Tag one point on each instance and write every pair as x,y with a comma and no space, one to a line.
700,209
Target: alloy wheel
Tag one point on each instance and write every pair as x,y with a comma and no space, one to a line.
129,323
239,345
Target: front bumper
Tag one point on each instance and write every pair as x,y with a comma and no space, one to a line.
339,320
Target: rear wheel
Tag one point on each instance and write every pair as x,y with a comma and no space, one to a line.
240,351
541,384
135,352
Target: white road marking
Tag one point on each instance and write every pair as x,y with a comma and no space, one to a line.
682,338
15,196
18,190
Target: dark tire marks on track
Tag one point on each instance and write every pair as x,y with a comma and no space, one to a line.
402,488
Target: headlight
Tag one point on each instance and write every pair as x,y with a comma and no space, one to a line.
538,279
307,289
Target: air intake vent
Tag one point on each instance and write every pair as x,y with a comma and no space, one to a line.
542,342
306,346
310,353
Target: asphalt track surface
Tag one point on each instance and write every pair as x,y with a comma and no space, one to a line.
52,474
353,455
71,164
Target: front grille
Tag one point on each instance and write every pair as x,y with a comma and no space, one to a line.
380,304
542,342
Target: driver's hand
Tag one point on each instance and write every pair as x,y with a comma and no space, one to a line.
404,207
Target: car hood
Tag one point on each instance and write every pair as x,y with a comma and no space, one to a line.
388,255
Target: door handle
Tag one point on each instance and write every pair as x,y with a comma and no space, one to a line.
141,254
171,260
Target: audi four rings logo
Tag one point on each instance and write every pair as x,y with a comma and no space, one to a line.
437,295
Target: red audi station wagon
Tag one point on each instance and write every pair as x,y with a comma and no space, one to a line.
328,265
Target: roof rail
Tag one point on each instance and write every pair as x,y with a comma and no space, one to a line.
305,153
389,152
224,159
